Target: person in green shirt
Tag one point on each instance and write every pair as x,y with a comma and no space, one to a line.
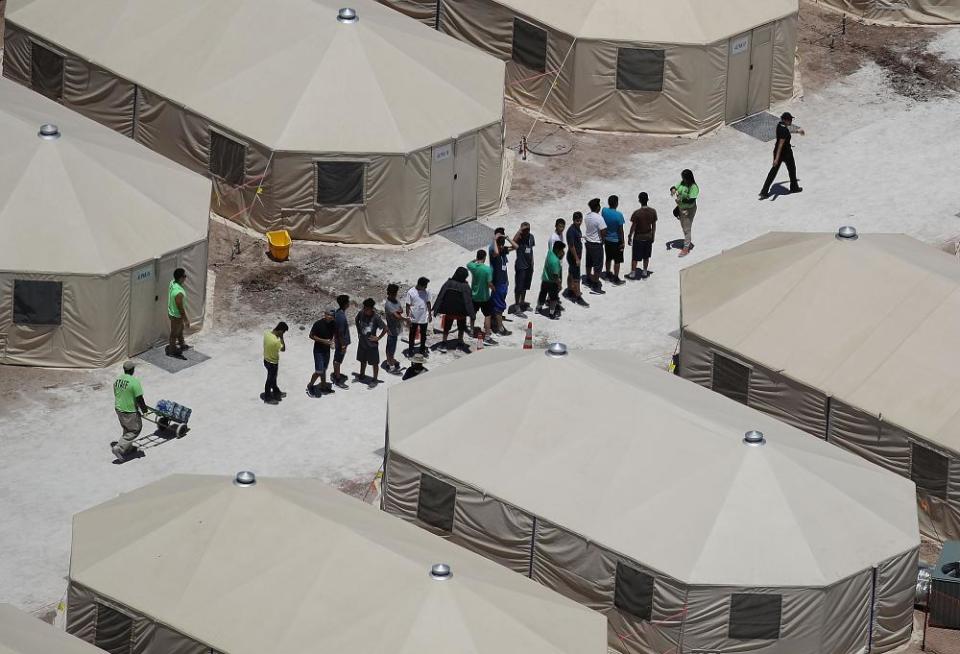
129,404
550,282
177,312
273,345
481,287
685,194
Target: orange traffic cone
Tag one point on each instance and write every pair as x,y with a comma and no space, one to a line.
528,339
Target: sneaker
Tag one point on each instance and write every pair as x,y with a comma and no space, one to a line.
384,366
605,275
597,291
372,385
513,308
176,354
581,302
117,453
539,309
521,314
282,395
684,252
764,196
633,276
269,399
504,332
185,347
442,349
796,190
617,281
525,306
489,341
313,391
568,294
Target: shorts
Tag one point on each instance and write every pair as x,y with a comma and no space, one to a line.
594,256
368,354
449,319
642,250
321,359
339,353
573,268
522,279
485,307
613,252
498,300
392,344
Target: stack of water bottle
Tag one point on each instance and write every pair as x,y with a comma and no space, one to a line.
174,411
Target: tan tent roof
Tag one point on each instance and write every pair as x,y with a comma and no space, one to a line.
23,634
656,21
286,73
294,566
654,467
90,202
872,322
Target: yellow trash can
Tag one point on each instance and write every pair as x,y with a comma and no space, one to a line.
279,242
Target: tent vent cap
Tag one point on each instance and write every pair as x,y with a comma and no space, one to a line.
440,571
49,132
754,438
245,478
557,350
347,15
847,233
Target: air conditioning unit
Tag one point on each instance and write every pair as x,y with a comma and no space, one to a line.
944,599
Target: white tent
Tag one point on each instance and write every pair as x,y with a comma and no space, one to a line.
633,491
371,129
93,226
193,564
23,634
901,12
851,340
660,66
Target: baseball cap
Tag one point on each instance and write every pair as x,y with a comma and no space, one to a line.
129,365
786,115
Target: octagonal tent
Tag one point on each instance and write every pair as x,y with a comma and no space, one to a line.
659,66
197,563
643,502
365,128
23,634
93,227
852,340
901,12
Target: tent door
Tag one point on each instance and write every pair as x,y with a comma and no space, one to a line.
441,187
465,179
761,68
738,77
143,308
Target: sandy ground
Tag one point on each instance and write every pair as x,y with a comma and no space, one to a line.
881,121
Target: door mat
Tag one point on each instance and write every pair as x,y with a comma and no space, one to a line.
761,126
158,357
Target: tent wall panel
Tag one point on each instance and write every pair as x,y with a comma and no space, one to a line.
846,614
893,610
81,612
93,328
491,184
865,435
164,640
950,528
423,10
481,523
707,623
787,400
193,259
16,54
696,360
784,59
586,573
939,512
904,12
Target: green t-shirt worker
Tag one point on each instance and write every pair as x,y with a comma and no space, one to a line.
177,311
686,193
273,345
481,288
550,282
129,404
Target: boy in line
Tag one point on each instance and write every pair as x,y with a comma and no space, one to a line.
550,282
643,230
322,334
394,314
341,339
481,288
574,261
613,242
420,314
523,269
370,329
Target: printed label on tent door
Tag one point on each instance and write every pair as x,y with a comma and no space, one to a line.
143,275
739,46
442,152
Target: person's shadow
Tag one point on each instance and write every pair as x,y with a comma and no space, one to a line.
777,190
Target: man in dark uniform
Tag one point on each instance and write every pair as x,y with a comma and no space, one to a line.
782,154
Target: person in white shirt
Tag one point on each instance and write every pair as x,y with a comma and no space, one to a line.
557,236
594,233
420,314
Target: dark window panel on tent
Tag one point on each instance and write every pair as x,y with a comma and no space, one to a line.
929,470
228,159
436,502
754,616
114,630
340,182
37,302
633,592
529,45
46,71
730,378
640,69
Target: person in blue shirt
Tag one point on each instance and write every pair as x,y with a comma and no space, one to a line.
498,252
614,241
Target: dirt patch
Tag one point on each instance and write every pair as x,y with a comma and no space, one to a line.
251,286
832,46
